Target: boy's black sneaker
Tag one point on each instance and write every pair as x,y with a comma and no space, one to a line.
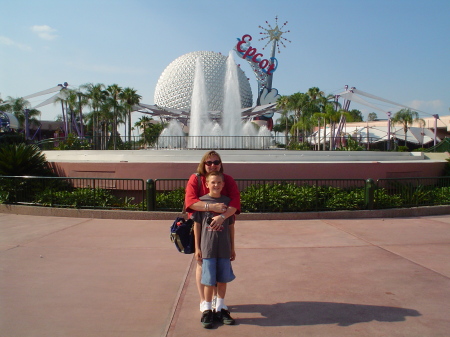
224,317
207,319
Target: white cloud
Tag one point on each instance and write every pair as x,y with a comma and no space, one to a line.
44,32
8,42
434,105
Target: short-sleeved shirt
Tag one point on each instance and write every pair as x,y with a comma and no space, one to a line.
214,244
193,193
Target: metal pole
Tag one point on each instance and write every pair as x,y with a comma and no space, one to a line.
27,126
436,117
389,131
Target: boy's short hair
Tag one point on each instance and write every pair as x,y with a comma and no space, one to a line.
215,174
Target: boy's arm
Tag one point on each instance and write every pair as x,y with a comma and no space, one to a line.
233,252
198,240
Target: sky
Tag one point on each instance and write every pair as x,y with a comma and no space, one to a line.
395,49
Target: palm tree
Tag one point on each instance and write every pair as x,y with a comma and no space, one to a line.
17,107
150,131
406,117
106,122
83,100
283,104
129,99
300,103
96,96
333,116
326,104
69,102
314,93
318,117
113,99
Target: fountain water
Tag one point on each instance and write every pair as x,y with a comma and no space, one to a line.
200,123
231,116
205,134
172,137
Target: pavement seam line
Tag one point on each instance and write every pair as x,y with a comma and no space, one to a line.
386,250
168,331
48,234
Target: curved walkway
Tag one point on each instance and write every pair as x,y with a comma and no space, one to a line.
69,276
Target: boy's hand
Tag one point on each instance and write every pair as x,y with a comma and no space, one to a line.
198,255
233,255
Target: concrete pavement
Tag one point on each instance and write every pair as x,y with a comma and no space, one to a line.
66,277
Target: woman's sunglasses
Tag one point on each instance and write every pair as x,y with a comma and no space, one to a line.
215,162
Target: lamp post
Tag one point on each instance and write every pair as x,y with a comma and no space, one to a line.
27,126
436,117
389,131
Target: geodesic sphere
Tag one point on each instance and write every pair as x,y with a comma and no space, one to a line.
174,87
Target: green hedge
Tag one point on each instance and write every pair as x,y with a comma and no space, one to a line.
303,198
285,197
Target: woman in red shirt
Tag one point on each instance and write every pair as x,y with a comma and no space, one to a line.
210,161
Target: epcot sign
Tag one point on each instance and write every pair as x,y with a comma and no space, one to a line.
249,53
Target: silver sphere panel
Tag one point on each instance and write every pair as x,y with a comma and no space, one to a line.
174,87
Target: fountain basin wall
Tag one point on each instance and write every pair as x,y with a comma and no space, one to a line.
245,164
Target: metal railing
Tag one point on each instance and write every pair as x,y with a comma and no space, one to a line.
270,195
302,195
163,142
217,142
96,193
412,192
257,195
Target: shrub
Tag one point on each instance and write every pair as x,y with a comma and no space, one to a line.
402,149
442,195
170,200
84,197
23,160
11,138
347,199
4,197
384,200
289,197
73,143
299,146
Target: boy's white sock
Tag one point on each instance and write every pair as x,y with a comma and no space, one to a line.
202,306
220,304
208,305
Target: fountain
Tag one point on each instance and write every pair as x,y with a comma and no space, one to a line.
231,116
172,137
206,134
200,124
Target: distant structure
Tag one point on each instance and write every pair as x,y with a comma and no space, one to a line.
8,122
174,87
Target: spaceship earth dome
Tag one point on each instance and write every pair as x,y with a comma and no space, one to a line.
174,87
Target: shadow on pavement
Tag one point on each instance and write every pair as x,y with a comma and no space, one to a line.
314,313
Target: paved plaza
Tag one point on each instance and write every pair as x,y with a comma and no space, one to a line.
85,277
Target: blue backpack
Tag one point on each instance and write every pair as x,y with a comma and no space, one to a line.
182,234
182,231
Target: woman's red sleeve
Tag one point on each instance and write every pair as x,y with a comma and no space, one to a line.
191,195
233,193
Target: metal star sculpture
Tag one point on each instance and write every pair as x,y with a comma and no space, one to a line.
274,35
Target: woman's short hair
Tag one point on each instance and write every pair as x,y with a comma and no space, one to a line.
201,166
